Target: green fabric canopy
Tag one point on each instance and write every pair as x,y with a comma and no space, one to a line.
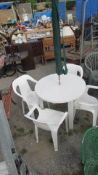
60,67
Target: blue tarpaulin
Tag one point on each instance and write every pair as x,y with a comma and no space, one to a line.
37,15
91,9
5,5
61,8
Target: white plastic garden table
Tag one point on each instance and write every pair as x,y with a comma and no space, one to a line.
71,88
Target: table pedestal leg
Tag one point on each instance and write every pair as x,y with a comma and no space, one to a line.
71,114
40,102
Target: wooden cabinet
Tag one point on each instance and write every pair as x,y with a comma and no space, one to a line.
28,62
35,49
68,40
48,48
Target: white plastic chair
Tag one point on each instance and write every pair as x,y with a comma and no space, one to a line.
75,69
47,119
88,103
22,87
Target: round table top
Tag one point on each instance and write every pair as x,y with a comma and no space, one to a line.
70,88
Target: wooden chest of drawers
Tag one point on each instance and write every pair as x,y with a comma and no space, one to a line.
48,46
68,40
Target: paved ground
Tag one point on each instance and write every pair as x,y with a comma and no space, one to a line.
41,157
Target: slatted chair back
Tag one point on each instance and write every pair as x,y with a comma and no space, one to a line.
89,145
91,61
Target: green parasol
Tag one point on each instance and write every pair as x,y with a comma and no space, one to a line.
60,66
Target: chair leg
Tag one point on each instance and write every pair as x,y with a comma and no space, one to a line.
36,134
74,111
23,108
66,124
94,117
55,140
40,102
48,105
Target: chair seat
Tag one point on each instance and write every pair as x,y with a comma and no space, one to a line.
50,119
87,100
53,117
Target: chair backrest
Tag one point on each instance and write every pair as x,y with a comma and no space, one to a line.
23,85
75,69
89,145
91,61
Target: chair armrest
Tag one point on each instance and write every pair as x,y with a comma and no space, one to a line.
91,87
33,80
27,115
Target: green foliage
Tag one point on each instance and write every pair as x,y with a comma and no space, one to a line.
31,1
21,132
23,151
24,1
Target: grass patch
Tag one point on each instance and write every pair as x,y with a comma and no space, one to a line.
15,126
30,131
23,151
16,135
70,133
50,140
22,132
79,172
83,128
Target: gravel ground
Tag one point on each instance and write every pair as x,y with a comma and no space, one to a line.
41,157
